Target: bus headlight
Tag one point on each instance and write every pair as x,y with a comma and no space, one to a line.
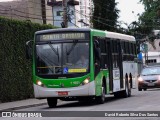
39,83
86,81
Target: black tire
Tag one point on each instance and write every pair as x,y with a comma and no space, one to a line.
52,102
139,89
101,99
131,81
127,91
145,89
117,94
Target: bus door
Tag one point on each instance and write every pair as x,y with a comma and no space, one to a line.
120,63
97,56
110,63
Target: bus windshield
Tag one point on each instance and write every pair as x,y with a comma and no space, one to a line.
62,58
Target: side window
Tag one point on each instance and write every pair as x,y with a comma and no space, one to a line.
123,49
103,53
97,51
127,46
132,48
115,53
59,13
135,49
102,45
96,54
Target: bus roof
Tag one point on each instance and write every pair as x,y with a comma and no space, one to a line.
119,36
107,33
63,30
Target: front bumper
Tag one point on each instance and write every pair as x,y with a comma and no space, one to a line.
149,85
84,90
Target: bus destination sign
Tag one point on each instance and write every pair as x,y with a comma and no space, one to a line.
62,36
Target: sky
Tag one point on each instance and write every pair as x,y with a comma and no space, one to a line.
126,7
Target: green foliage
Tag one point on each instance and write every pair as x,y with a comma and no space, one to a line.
15,70
150,19
105,15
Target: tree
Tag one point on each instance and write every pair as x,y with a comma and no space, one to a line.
105,15
150,19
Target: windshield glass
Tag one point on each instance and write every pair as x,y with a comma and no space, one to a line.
151,71
62,58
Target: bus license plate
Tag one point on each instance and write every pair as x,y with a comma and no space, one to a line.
63,93
150,84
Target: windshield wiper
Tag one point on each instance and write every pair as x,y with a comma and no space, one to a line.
72,47
54,50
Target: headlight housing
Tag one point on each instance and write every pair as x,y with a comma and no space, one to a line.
39,83
159,78
140,79
86,81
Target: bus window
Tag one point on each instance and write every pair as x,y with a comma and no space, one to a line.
97,57
97,51
103,60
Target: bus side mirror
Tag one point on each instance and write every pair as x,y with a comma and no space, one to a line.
29,48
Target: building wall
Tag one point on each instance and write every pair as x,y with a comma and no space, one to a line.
49,14
58,16
34,10
77,15
83,11
14,9
153,57
153,52
57,19
156,44
73,17
86,7
25,10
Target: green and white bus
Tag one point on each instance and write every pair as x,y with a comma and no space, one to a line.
80,63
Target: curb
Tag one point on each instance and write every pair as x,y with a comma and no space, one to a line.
22,107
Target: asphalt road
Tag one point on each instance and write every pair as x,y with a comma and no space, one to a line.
139,101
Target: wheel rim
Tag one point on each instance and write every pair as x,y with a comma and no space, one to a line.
129,88
127,91
103,94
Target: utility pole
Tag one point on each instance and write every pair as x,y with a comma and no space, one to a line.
43,6
65,20
11,12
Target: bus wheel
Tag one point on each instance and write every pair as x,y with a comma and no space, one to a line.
52,102
145,89
101,99
117,95
127,91
139,89
129,88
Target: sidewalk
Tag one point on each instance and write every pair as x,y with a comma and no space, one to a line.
9,106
